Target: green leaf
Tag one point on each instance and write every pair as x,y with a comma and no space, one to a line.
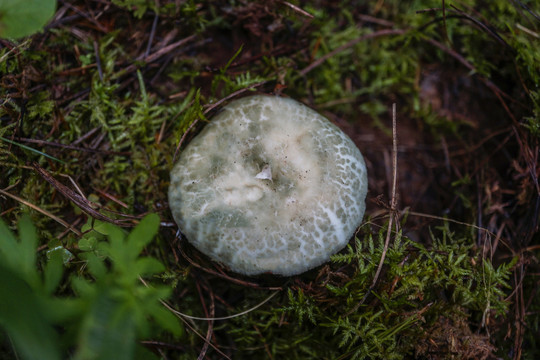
96,267
226,67
83,287
114,233
20,256
22,146
8,245
19,18
166,319
148,266
67,256
64,311
87,243
52,274
115,248
107,332
22,315
143,233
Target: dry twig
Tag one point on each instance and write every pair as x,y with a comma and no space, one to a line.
226,277
84,204
44,212
393,211
351,43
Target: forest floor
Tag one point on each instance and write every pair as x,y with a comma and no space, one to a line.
94,107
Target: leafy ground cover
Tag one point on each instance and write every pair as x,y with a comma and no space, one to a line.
95,106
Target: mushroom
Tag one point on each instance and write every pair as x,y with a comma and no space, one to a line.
269,186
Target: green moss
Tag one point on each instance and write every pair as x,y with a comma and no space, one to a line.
85,83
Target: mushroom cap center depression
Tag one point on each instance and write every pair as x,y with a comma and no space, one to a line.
269,185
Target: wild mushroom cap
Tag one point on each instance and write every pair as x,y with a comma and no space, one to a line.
269,186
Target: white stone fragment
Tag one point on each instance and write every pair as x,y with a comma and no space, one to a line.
269,186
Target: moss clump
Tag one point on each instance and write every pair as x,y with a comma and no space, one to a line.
115,89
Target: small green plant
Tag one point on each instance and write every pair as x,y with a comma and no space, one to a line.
102,314
302,306
19,18
223,84
139,7
27,294
418,285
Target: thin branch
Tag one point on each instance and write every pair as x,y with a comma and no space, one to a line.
210,330
224,276
224,317
297,9
212,106
445,28
183,138
71,147
152,35
154,56
85,205
528,9
393,201
98,60
184,320
351,43
44,212
393,212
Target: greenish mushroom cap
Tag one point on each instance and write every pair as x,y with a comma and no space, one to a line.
269,186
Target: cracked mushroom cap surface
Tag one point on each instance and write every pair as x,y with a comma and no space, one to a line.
269,186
